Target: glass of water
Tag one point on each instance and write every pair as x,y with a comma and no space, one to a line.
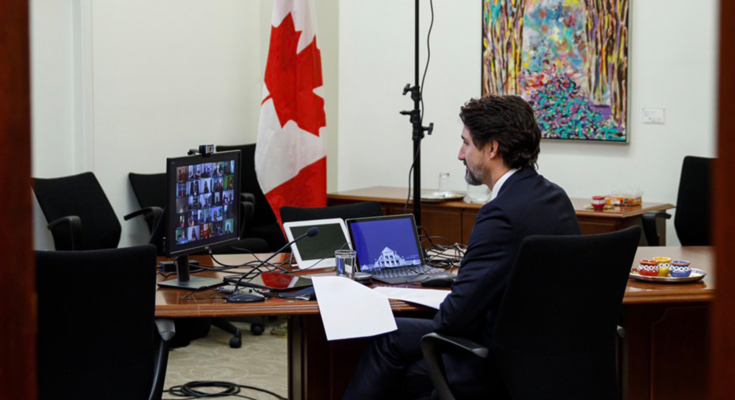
345,262
443,182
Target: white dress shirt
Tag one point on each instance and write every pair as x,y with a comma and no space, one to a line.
500,182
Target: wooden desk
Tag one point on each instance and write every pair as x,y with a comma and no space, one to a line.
666,334
454,219
667,331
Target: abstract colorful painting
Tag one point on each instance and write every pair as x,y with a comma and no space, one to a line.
567,58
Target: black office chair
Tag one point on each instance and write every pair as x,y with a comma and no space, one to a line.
356,210
264,225
97,336
80,216
554,335
692,220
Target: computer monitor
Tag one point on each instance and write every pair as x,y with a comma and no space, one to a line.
202,210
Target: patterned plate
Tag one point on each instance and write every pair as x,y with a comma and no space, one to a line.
697,275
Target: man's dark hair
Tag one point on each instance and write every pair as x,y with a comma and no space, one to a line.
510,121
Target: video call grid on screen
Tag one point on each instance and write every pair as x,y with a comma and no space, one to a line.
393,239
206,202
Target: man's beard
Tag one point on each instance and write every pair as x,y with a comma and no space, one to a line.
473,178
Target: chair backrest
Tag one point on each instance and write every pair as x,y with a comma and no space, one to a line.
692,218
149,189
356,210
96,329
263,214
80,195
555,331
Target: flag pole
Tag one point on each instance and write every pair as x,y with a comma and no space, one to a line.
416,122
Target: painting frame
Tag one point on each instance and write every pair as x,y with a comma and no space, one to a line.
602,117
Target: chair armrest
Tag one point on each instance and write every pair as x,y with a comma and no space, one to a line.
454,341
433,345
155,211
166,331
649,226
621,332
249,197
67,232
247,210
150,214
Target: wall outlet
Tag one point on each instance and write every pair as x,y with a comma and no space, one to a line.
654,116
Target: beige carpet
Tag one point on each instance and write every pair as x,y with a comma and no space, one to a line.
260,362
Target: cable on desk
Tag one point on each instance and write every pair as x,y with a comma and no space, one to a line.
229,266
172,273
189,390
439,255
257,270
190,295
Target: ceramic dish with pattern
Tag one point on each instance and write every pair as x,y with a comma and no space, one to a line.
697,275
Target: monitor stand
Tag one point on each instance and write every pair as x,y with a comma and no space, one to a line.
185,281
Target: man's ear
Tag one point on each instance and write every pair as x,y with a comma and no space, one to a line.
491,149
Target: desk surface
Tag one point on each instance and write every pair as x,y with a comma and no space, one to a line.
397,195
169,302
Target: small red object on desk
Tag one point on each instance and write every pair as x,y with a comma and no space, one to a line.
598,203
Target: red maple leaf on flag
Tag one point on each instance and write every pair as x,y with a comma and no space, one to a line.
291,79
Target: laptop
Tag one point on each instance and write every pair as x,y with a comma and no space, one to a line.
388,248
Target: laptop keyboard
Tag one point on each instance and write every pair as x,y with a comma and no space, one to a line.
402,272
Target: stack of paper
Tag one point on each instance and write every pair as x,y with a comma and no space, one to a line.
351,310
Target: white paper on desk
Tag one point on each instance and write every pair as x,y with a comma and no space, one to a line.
351,310
426,297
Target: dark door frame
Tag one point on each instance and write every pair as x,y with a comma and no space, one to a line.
17,272
722,365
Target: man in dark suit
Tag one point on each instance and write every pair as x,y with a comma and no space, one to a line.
500,146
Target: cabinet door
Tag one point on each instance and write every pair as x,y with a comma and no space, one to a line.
439,223
468,222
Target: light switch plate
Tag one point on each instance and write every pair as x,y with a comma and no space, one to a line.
654,116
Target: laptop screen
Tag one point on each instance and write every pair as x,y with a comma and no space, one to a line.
385,242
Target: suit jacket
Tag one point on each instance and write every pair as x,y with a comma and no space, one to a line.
527,204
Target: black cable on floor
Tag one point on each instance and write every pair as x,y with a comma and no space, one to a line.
189,390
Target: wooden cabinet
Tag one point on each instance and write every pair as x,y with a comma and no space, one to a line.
454,220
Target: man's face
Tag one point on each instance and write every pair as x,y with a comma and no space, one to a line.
473,159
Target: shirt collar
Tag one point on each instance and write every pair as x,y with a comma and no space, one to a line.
500,182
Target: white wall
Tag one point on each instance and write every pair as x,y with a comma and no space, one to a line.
52,97
119,85
169,75
673,60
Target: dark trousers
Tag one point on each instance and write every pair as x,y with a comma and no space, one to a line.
392,367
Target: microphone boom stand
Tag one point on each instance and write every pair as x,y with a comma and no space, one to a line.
416,122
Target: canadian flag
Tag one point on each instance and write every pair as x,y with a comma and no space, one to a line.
290,160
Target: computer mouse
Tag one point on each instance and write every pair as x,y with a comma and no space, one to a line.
252,297
438,280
